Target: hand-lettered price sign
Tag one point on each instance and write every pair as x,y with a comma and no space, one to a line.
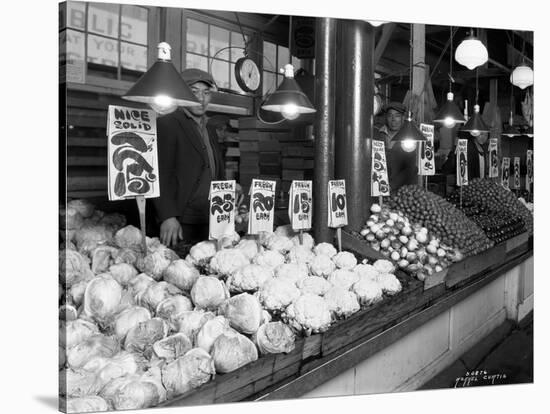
506,172
262,206
222,209
300,206
462,162
493,158
379,171
337,206
426,162
132,152
517,179
529,178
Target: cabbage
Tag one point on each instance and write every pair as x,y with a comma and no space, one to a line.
276,294
202,252
129,318
249,278
67,313
70,219
181,274
74,332
75,295
123,273
73,268
133,392
210,331
156,293
82,206
172,347
129,256
78,383
189,323
231,350
129,237
113,221
141,337
274,338
156,262
102,299
190,371
244,312
102,257
94,346
87,238
88,404
107,369
171,307
208,293
139,284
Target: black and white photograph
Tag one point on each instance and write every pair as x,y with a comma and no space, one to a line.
272,205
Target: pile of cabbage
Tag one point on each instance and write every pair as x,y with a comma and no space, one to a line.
138,328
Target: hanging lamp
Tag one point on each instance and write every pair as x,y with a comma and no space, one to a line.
522,76
510,130
449,114
471,52
409,134
288,99
475,125
162,87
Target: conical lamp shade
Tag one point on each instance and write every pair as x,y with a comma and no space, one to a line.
529,132
162,80
408,132
475,124
511,131
449,114
288,97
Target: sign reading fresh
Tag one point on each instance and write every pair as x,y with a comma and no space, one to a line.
300,205
262,203
222,209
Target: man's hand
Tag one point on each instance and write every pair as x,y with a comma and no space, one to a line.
170,232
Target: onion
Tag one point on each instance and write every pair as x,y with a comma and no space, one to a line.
375,208
403,239
403,264
395,256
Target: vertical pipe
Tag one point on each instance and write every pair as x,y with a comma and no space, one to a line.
354,116
325,87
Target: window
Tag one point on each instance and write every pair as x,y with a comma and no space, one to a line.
104,40
275,57
214,49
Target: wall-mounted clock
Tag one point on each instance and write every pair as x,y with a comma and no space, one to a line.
247,74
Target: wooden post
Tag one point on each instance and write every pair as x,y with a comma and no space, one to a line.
140,200
418,76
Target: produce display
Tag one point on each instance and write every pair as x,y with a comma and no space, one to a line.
138,328
441,218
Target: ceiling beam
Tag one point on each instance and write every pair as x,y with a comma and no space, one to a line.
387,31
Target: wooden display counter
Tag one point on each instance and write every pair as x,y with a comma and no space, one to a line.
320,364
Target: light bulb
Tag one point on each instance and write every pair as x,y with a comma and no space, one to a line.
475,132
449,122
163,104
290,111
408,145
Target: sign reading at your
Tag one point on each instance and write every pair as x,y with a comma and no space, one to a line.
462,162
517,179
262,203
337,206
299,206
379,171
529,178
222,209
506,172
132,153
493,158
426,160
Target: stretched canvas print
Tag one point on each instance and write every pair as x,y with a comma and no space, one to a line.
262,207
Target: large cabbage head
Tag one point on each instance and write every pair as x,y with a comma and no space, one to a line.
139,284
73,332
170,309
129,256
70,219
231,350
102,258
113,221
277,293
156,262
88,404
181,274
190,371
129,237
202,252
210,331
274,338
249,278
120,365
73,268
172,347
84,207
208,293
129,318
102,299
134,392
244,312
156,293
123,273
141,337
190,323
309,313
88,237
78,383
226,261
97,345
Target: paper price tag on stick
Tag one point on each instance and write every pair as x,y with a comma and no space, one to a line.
426,162
529,177
493,158
379,170
517,179
222,209
300,205
337,205
506,172
462,162
262,206
132,153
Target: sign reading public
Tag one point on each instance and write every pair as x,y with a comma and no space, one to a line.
506,172
300,205
379,171
337,206
493,158
462,162
262,203
517,179
222,209
132,153
426,162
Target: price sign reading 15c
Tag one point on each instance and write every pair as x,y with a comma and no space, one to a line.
337,205
299,206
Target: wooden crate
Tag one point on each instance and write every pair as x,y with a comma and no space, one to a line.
356,245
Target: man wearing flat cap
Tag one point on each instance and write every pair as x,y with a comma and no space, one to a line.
189,158
394,115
